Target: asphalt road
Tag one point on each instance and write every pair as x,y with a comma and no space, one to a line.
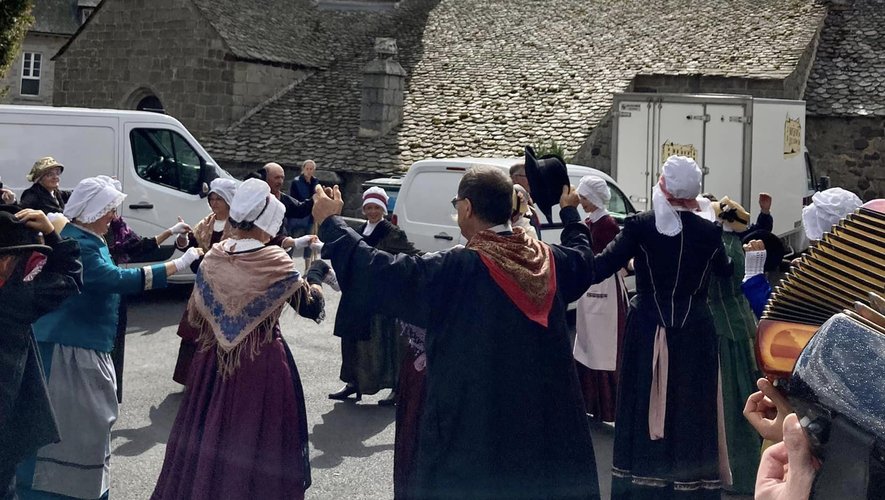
351,445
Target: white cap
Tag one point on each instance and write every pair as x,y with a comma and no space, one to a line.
92,199
254,203
595,190
826,210
225,188
680,180
375,196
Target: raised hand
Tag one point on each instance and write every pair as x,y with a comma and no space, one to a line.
764,202
569,197
326,203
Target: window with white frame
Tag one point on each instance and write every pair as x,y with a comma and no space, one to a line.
32,63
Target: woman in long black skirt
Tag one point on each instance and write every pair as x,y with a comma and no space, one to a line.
667,437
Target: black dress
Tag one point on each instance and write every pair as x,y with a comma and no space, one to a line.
26,418
503,414
371,345
38,197
672,276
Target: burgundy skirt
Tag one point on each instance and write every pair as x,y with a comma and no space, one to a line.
186,350
599,387
240,438
409,408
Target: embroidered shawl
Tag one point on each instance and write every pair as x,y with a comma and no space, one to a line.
522,267
238,298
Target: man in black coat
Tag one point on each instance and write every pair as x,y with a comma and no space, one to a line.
503,415
35,278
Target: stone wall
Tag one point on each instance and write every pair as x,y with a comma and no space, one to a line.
596,151
47,46
850,151
699,84
132,48
254,83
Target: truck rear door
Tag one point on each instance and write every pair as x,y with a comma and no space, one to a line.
632,163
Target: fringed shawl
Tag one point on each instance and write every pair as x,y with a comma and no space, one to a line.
238,298
522,267
204,229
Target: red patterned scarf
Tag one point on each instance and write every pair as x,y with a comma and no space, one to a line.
522,267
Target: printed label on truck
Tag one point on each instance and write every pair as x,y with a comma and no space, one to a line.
792,137
670,148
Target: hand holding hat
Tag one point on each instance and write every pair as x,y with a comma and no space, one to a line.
19,230
35,220
547,175
569,197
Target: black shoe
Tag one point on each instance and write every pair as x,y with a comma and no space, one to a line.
390,400
346,391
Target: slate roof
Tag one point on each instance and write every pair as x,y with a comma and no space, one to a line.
276,31
848,75
488,76
58,17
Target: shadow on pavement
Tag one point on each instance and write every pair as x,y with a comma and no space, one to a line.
144,438
343,431
164,308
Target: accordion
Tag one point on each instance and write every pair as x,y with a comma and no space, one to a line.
843,272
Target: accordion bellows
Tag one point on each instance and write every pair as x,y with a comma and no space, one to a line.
843,272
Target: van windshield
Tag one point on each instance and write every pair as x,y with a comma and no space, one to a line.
164,157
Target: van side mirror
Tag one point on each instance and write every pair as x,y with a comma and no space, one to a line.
204,190
823,183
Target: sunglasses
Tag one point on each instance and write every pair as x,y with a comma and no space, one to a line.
455,201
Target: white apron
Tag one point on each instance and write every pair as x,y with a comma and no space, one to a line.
596,339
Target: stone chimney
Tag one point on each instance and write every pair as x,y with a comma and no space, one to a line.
381,108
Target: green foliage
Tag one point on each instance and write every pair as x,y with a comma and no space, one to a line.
549,147
15,19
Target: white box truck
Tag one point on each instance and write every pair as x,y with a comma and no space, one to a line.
744,146
164,170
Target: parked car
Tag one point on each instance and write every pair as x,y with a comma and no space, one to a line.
424,211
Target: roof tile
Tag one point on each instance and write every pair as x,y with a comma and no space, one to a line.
478,66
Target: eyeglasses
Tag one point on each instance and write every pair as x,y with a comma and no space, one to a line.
455,201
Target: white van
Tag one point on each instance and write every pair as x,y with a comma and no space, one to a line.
424,211
164,170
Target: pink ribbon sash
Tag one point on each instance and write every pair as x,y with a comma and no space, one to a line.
657,399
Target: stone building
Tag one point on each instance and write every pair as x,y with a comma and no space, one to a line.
31,77
846,99
482,81
287,80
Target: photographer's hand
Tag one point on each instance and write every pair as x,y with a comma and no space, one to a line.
787,469
766,410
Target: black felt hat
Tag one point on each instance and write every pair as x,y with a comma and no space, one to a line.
547,175
774,248
15,236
